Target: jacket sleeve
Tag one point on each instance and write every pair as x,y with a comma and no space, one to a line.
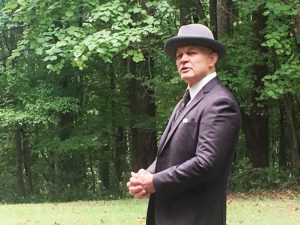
151,168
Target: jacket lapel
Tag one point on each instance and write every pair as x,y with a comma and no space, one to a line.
166,131
169,131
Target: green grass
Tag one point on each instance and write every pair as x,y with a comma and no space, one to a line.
259,210
250,210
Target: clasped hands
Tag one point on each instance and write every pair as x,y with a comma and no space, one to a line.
140,184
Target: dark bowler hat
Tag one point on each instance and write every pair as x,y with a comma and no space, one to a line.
194,34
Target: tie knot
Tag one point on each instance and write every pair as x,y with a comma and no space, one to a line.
186,97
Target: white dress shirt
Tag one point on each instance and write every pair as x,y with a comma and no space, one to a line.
200,84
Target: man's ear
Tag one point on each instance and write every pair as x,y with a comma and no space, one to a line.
213,59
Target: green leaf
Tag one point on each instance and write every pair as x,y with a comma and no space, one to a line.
69,13
11,5
34,44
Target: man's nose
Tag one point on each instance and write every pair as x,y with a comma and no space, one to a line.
184,57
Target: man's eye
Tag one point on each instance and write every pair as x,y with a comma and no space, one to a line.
179,56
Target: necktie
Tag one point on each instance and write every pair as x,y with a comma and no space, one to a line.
186,97
184,101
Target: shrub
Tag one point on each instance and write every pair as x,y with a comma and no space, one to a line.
245,178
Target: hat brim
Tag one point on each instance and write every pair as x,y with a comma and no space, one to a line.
175,42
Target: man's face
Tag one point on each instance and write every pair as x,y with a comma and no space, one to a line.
195,62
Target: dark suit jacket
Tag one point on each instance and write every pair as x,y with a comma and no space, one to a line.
193,161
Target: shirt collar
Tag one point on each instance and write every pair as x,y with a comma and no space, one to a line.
200,84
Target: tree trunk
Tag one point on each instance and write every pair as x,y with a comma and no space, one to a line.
255,129
118,140
120,154
255,124
64,161
103,168
142,107
27,162
184,12
213,17
296,26
21,190
200,13
191,11
91,165
282,138
71,165
288,101
224,13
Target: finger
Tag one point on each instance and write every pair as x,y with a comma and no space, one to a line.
142,171
141,194
133,190
134,181
133,174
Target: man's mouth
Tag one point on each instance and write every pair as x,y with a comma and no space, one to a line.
185,69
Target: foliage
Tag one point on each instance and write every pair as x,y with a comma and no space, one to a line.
245,178
66,69
100,30
285,51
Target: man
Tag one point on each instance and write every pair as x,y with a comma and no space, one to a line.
187,182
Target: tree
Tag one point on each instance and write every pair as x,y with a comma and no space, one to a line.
283,41
86,90
256,123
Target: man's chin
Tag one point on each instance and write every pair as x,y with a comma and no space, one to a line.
186,76
187,80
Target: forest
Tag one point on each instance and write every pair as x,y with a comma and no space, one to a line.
86,91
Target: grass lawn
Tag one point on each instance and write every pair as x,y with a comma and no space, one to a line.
264,210
246,210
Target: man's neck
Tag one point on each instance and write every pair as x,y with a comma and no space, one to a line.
200,84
